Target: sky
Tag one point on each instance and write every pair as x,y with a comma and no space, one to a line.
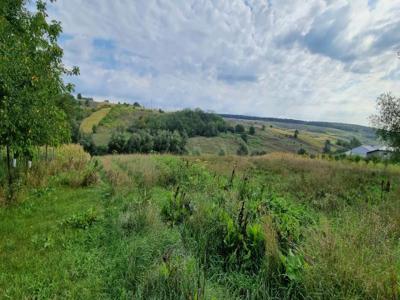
311,60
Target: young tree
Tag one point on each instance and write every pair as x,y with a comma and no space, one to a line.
354,143
327,147
252,130
301,151
387,120
239,128
296,134
31,72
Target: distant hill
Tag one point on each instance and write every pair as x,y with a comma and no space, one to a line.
368,131
271,134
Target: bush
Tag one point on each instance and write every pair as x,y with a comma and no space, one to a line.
302,151
252,130
117,143
243,136
177,209
239,128
81,221
243,149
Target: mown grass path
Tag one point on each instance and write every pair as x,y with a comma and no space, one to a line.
94,119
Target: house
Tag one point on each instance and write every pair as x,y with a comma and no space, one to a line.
381,152
362,150
369,151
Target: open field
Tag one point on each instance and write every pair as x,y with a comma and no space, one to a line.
279,226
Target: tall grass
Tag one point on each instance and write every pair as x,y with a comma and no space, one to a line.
208,227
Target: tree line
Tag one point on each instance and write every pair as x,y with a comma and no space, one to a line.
187,122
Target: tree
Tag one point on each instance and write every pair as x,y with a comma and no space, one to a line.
327,147
387,120
354,143
252,130
301,151
87,143
296,134
79,96
243,136
31,72
117,143
134,143
239,128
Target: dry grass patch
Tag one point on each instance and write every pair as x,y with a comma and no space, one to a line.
94,120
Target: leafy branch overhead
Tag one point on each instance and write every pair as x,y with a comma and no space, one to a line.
32,73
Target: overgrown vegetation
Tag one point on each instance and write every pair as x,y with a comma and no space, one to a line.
215,227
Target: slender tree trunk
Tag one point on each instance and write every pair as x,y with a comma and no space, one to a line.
46,153
9,166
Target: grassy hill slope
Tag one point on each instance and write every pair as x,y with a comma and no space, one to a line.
271,135
94,119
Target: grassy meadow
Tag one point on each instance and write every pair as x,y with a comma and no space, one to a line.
279,226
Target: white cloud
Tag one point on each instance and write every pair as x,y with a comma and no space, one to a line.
314,60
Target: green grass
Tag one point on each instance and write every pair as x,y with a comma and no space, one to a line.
93,120
170,227
40,258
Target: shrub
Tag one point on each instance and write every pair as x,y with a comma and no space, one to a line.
252,130
302,151
177,209
82,220
117,143
242,150
239,128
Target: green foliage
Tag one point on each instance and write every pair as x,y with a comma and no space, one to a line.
160,141
239,128
244,137
177,209
272,227
187,122
117,143
82,220
353,143
327,147
293,264
31,82
252,130
243,149
301,151
387,120
32,71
